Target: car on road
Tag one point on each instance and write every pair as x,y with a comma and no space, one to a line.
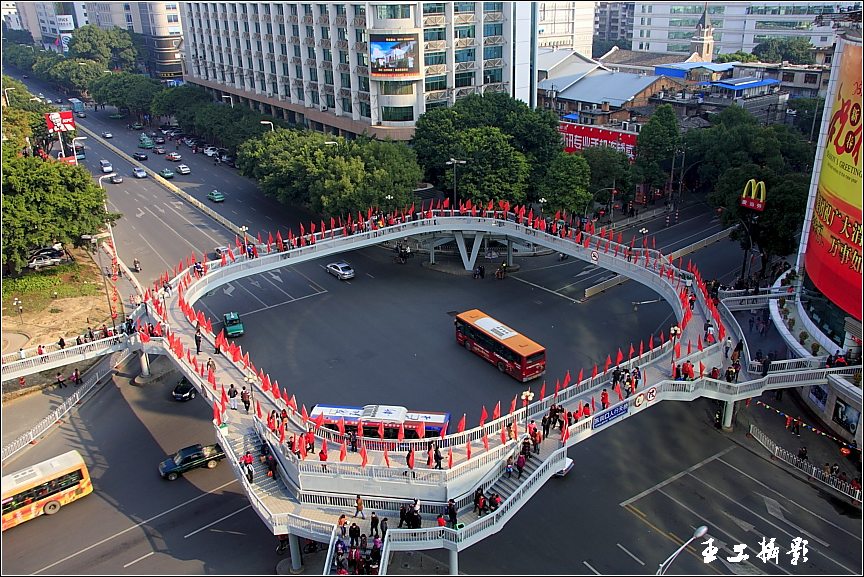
184,391
192,457
166,173
44,260
137,126
220,250
116,116
106,167
173,156
139,156
341,270
139,172
116,179
233,325
159,140
215,196
183,169
158,150
211,151
107,134
81,114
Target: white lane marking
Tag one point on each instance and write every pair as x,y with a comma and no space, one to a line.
369,275
138,559
788,500
596,572
284,303
280,289
170,228
635,558
543,288
196,531
714,526
675,477
268,217
758,516
156,252
313,284
204,232
251,293
135,526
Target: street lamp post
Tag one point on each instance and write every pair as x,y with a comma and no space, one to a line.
527,397
697,534
95,241
389,199
75,151
109,227
272,129
244,229
6,94
542,200
453,162
230,98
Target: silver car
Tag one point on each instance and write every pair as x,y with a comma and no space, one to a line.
341,270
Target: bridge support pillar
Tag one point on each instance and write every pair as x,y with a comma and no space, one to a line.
432,253
454,562
468,261
294,548
509,252
145,363
728,410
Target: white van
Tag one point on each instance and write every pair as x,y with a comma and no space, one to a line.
106,166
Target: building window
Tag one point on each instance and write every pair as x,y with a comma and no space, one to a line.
811,79
345,80
297,50
493,52
464,79
494,29
493,7
340,9
360,35
328,77
432,34
168,6
328,55
363,82
365,109
325,32
398,88
298,71
346,105
433,8
462,7
342,33
433,58
397,113
343,57
788,77
173,17
466,55
435,83
313,74
493,75
464,31
359,10
394,12
362,59
310,52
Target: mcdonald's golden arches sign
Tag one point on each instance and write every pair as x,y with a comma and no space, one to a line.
753,196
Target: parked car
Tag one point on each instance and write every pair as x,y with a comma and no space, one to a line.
137,126
233,326
184,391
192,457
139,172
215,196
159,140
166,173
116,179
211,151
158,150
81,114
106,166
183,169
173,156
139,156
107,134
44,260
341,270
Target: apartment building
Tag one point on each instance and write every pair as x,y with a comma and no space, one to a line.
354,68
566,25
52,23
10,15
614,20
669,26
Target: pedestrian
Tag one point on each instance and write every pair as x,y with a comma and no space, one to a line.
826,469
452,513
211,365
802,453
520,464
352,439
766,366
354,534
835,468
76,377
322,455
482,272
544,424
198,342
373,525
709,334
250,472
61,381
536,439
438,457
727,347
342,523
430,454
358,508
246,399
61,343
22,382
604,399
403,515
232,397
796,427
383,528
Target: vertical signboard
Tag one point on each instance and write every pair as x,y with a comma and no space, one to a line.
833,256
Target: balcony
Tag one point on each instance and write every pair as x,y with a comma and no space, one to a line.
435,45
324,43
247,52
363,96
232,16
269,56
308,42
268,37
343,67
359,21
493,17
342,45
465,91
311,63
361,46
436,69
464,66
344,93
464,18
340,21
362,70
327,89
313,86
434,20
283,58
434,95
280,38
308,19
294,40
245,35
266,18
256,36
495,87
327,65
465,42
324,20
493,63
291,19
493,40
298,82
296,60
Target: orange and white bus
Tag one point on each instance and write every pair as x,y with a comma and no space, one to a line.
511,352
44,488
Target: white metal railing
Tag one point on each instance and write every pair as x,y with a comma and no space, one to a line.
805,466
331,551
65,356
37,430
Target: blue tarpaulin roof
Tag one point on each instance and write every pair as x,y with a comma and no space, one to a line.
744,83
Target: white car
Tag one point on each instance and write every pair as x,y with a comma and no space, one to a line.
341,270
106,167
220,250
38,262
139,172
183,169
107,135
211,151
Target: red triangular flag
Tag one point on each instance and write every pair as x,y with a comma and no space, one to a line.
503,435
513,405
581,372
689,347
557,388
619,357
217,414
651,343
359,428
566,382
486,442
579,413
224,398
304,415
483,416
450,458
411,458
468,450
593,405
364,456
641,348
400,436
618,391
381,430
701,369
632,350
258,409
341,425
386,458
281,432
319,420
543,391
565,434
608,364
496,412
594,371
461,426
343,452
699,343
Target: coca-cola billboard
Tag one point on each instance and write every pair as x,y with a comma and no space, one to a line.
581,136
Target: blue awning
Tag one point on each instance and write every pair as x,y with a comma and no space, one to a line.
571,116
744,86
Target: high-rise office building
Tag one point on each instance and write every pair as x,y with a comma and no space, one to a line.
669,26
352,68
614,20
566,25
159,22
10,15
52,23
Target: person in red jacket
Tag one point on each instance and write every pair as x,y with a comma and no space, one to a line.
604,399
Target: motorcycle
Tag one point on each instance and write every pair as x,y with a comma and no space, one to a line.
136,265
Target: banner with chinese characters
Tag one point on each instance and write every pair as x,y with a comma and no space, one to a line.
833,256
581,136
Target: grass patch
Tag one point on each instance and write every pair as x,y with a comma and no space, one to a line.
38,288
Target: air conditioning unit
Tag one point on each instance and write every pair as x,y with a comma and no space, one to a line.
323,109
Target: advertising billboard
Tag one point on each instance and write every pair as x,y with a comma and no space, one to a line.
580,136
394,55
833,255
846,416
62,121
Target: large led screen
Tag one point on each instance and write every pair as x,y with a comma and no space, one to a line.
394,55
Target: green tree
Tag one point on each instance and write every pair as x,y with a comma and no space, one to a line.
125,90
435,137
656,144
494,168
391,169
76,75
808,115
12,36
566,184
795,50
90,42
739,56
46,202
20,57
44,62
124,54
171,101
601,47
609,169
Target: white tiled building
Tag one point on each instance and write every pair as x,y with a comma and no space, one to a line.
359,67
668,26
566,25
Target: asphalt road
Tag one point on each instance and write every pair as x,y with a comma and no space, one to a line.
389,338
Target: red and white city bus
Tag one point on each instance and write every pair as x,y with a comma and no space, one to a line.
511,352
391,416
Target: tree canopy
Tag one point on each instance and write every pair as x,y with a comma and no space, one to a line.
795,50
566,184
657,142
739,56
112,47
609,169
